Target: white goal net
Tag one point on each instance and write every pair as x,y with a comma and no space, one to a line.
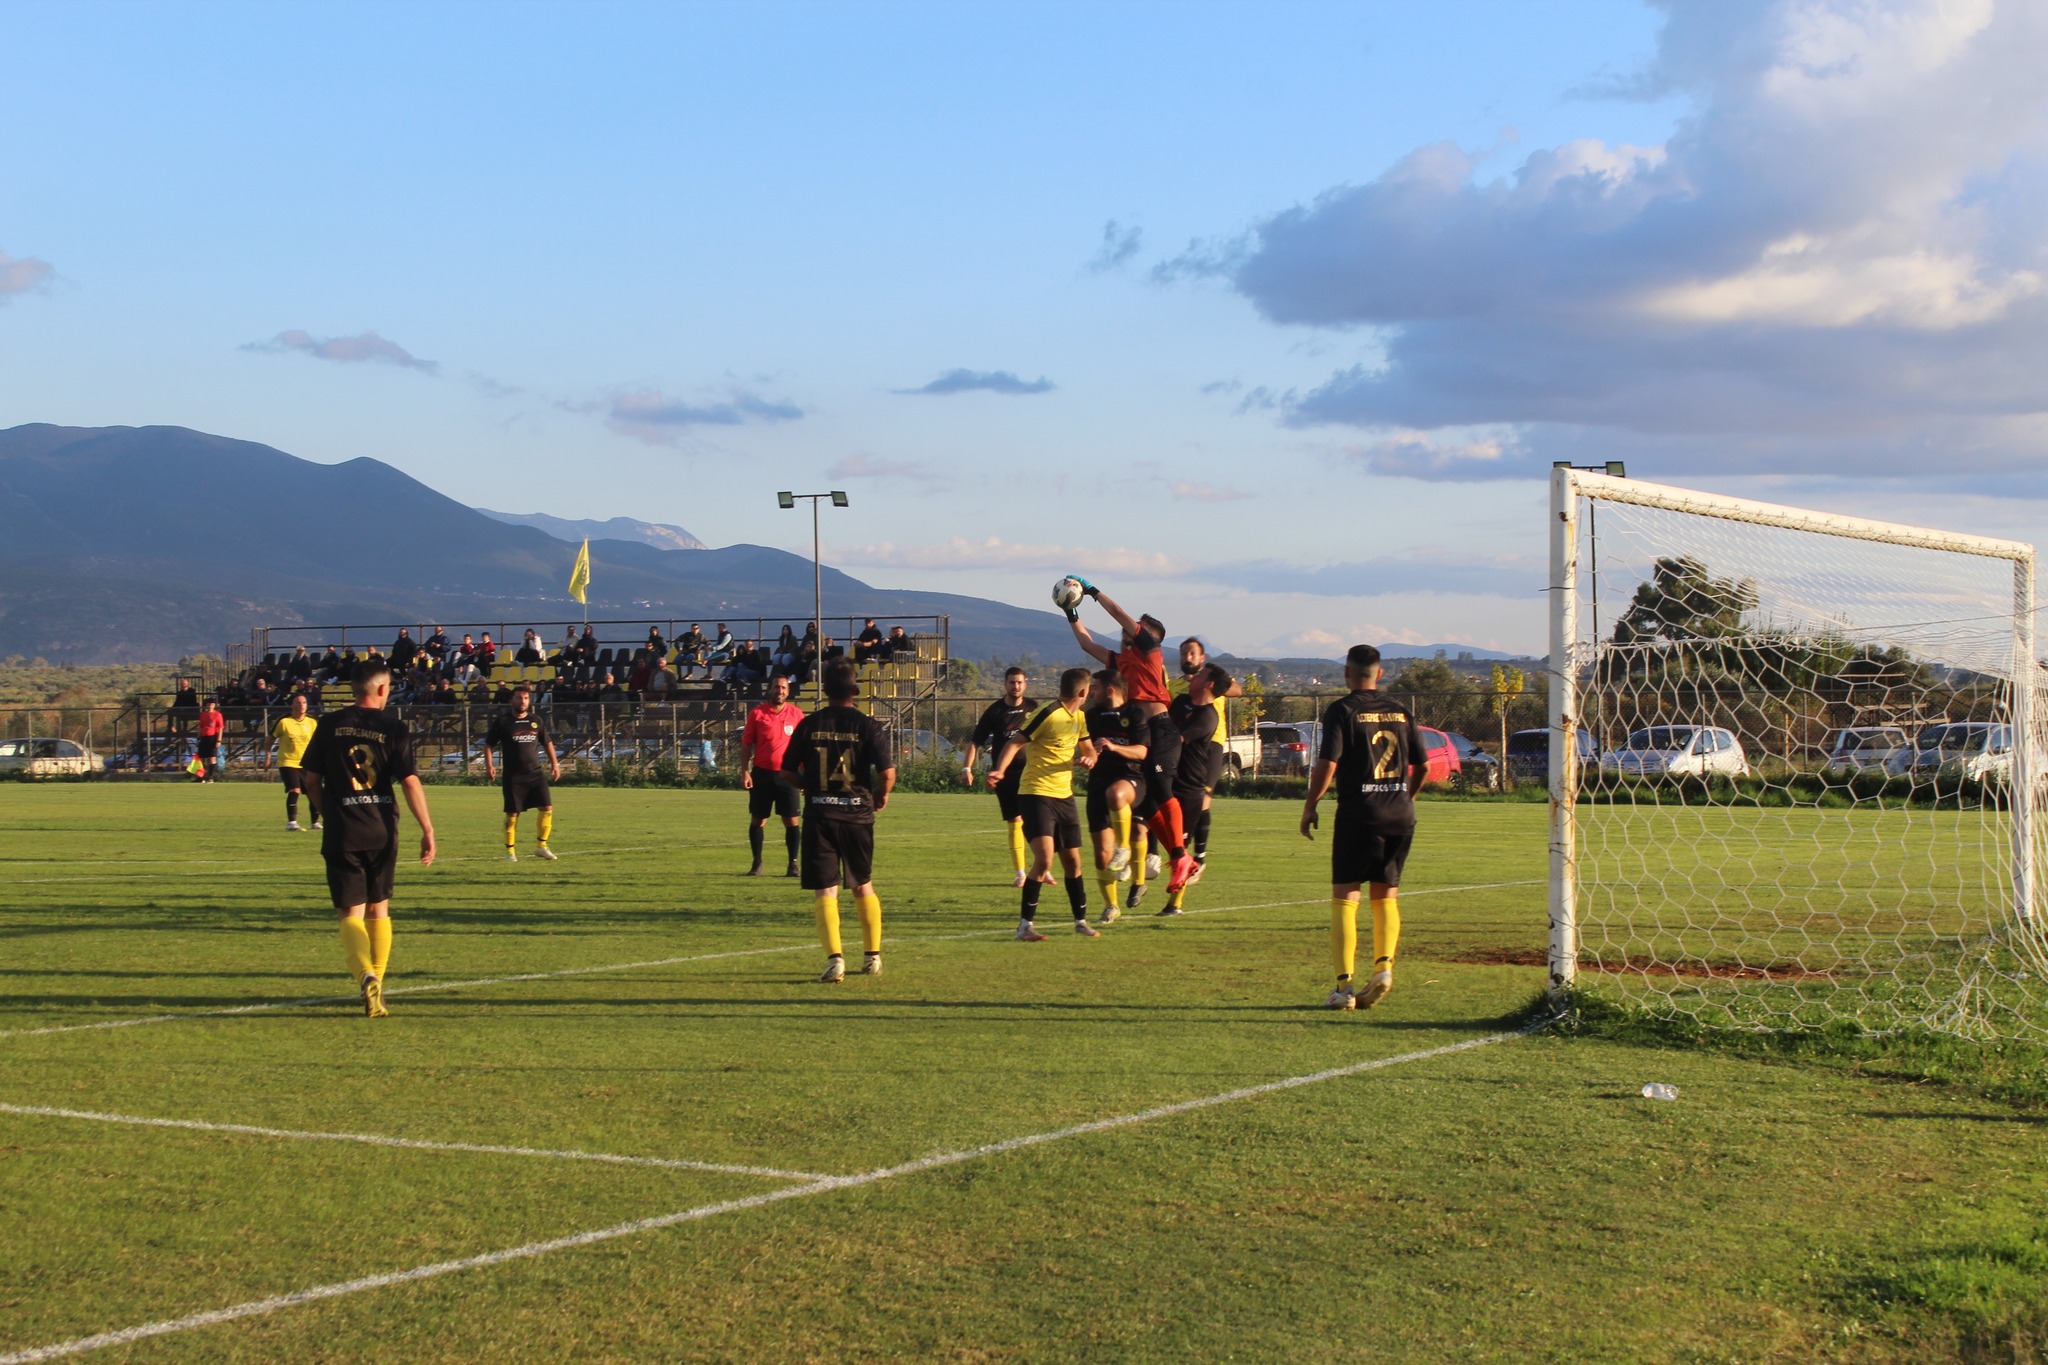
1795,764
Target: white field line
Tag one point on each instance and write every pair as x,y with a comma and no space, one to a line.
826,1185
656,962
416,1144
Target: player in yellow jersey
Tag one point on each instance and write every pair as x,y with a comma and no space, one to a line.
1048,747
290,736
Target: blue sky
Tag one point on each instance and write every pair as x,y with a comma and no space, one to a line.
1263,314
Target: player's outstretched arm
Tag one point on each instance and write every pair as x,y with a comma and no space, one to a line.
416,802
1099,653
1117,613
1318,786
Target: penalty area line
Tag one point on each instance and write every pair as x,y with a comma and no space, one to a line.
413,1144
825,1185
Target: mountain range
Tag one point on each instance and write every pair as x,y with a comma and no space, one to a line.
658,534
129,544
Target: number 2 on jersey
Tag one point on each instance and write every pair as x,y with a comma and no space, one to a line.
1386,752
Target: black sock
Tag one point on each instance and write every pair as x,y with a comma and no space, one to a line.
1077,896
754,842
1202,836
291,806
790,836
1031,885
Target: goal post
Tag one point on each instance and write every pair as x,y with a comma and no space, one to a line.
1795,762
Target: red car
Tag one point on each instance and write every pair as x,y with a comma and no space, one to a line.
1442,755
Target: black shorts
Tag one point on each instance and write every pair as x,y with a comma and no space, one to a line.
209,745
527,793
772,794
836,853
1162,759
1006,790
1361,852
1101,814
1190,795
294,779
1051,816
361,878
1215,768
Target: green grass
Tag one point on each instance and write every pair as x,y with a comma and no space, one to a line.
1513,1202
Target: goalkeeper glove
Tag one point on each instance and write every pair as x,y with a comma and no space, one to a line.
1072,615
1087,589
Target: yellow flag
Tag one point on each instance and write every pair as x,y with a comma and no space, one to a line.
579,577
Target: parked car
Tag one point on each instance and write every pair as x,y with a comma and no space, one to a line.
1678,751
1440,754
1979,750
1863,749
1288,748
48,758
1529,754
1478,770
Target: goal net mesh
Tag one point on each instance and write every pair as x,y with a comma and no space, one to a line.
1795,792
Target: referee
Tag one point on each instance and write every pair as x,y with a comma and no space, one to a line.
769,790
523,737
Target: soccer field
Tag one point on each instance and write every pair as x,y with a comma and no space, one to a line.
612,1117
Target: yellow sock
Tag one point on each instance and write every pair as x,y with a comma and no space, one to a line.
511,831
1018,849
547,823
1138,856
1344,935
355,946
380,945
1106,879
870,907
1174,898
1123,826
1386,930
827,908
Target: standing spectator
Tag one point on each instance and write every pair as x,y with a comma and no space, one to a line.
184,707
436,647
212,726
867,642
402,650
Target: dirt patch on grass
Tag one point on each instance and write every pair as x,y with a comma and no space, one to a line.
1642,966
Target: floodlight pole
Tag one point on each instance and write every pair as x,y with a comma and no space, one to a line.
787,502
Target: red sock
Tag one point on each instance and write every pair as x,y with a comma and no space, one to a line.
1166,827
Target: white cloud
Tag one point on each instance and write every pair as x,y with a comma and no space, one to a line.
859,465
1836,262
996,553
20,274
358,349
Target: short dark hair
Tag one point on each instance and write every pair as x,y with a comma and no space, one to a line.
1218,679
1110,679
1152,629
1074,682
1014,671
525,687
842,680
1364,658
366,673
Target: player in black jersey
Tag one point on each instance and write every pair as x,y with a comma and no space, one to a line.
1194,655
841,760
358,756
1197,717
1119,739
523,737
1002,722
1374,755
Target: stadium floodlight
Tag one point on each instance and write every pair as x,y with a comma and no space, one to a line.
1796,776
787,502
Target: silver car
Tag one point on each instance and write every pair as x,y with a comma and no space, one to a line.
1978,750
1863,749
49,758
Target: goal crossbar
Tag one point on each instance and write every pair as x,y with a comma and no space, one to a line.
1569,486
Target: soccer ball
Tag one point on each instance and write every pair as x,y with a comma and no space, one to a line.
1067,594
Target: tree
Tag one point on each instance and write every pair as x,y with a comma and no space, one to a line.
1682,601
1504,686
1427,675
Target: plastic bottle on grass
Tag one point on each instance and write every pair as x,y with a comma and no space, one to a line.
1657,1090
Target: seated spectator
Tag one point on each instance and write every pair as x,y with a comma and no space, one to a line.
570,653
402,650
376,656
867,642
784,658
486,653
655,644
258,692
442,694
186,698
529,649
899,646
611,694
586,647
659,681
503,696
833,650
329,667
637,675
721,649
749,666
300,666
689,651
436,646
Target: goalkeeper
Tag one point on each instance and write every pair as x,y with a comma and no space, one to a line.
1374,755
1139,661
